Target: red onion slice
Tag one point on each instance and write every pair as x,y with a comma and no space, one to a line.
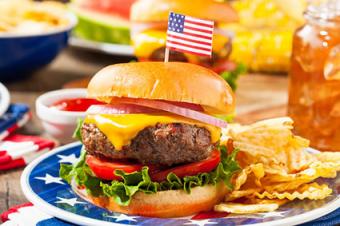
119,108
178,110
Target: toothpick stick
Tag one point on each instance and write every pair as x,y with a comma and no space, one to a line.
166,55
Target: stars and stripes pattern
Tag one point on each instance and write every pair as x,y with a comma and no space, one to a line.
189,34
15,117
18,150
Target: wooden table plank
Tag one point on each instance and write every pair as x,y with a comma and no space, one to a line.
258,96
4,192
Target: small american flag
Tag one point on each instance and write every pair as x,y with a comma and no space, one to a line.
189,34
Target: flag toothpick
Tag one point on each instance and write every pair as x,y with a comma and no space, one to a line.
190,35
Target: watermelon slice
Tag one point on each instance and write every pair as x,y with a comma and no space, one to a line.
102,24
118,7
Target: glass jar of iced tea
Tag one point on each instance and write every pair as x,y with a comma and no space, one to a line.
314,84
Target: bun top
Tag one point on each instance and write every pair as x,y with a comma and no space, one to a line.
158,10
173,81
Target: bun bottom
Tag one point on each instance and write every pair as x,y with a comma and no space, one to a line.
164,204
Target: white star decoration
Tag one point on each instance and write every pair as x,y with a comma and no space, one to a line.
50,179
123,217
71,202
272,214
68,158
200,222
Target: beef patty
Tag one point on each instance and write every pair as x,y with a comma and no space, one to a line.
163,144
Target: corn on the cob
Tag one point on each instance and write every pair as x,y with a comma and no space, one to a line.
263,37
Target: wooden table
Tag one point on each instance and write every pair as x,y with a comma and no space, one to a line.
258,96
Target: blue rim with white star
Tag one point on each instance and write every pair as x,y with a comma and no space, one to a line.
42,186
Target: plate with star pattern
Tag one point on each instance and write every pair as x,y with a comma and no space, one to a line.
42,186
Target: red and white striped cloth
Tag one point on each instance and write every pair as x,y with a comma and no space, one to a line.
189,34
20,123
19,150
28,215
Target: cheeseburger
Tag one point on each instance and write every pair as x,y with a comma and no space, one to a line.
149,19
152,148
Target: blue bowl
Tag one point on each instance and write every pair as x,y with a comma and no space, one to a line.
22,54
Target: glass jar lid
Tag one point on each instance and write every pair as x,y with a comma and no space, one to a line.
324,9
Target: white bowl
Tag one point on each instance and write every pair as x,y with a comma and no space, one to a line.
59,124
4,99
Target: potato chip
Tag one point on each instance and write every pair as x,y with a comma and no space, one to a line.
239,194
329,157
287,182
312,191
252,200
241,178
245,208
276,166
272,143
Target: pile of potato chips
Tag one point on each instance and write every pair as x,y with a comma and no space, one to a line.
277,167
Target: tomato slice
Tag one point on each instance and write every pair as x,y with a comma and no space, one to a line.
191,169
104,169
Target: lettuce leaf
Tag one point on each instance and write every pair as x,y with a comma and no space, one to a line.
122,191
82,174
77,132
231,76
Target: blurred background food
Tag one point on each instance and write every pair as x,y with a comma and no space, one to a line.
31,35
263,35
103,20
19,17
149,19
254,35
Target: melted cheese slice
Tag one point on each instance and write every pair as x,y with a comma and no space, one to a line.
121,129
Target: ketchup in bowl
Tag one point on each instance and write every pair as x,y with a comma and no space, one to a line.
74,104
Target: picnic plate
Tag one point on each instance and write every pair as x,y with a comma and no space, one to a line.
42,186
102,47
